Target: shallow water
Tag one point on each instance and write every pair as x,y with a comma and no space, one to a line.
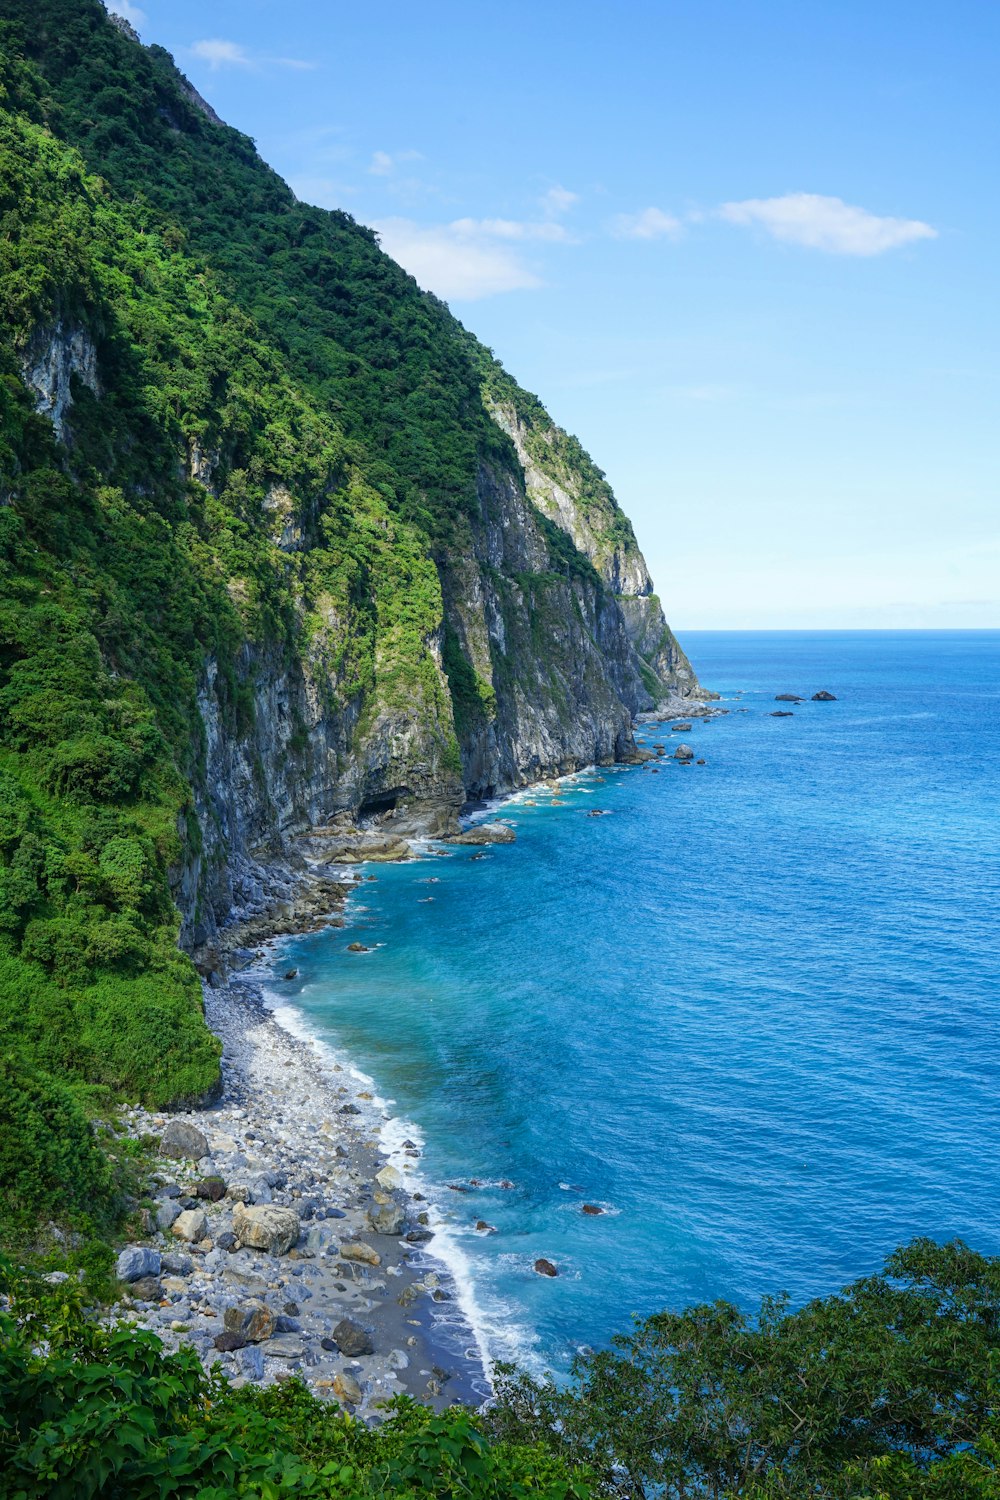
753,1013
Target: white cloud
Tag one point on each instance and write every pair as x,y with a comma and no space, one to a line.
462,261
512,229
219,53
558,200
384,163
650,224
129,12
823,223
222,54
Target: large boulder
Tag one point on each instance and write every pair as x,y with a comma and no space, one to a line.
683,752
351,1339
183,1140
266,1226
359,1251
137,1261
252,1321
824,697
388,1219
190,1226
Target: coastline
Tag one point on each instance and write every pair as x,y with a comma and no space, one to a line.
314,1129
295,1128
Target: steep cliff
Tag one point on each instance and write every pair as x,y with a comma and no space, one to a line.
279,542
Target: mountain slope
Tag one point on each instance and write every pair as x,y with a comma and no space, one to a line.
272,547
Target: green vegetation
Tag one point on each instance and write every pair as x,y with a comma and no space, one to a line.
271,443
104,1412
886,1391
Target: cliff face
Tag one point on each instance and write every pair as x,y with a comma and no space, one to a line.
330,554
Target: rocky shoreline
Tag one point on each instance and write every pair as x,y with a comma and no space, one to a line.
282,1242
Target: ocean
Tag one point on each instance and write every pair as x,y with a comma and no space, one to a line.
753,1014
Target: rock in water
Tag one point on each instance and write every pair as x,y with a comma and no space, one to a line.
190,1226
484,833
824,697
683,752
351,1339
137,1261
591,1208
545,1267
183,1140
265,1226
389,1178
787,698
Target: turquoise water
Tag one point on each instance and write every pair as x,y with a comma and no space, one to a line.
754,1013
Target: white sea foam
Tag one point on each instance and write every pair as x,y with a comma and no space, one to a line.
493,1323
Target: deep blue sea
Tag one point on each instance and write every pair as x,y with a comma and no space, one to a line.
754,1013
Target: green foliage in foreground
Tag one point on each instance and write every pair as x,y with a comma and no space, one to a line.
887,1389
884,1391
104,1412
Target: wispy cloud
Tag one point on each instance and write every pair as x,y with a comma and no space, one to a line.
558,200
129,12
823,223
221,53
513,229
384,163
463,261
649,224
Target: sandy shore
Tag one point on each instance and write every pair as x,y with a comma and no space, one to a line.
295,1130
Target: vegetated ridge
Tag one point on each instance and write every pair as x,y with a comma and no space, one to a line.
279,541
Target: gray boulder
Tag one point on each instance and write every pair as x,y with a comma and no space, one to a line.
137,1261
388,1219
167,1214
183,1140
351,1339
683,752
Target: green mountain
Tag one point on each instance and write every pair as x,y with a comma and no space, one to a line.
279,540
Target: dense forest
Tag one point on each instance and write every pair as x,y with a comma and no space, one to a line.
243,460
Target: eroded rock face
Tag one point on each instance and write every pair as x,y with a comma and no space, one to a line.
51,359
265,1226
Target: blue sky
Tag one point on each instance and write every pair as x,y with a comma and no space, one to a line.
745,249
